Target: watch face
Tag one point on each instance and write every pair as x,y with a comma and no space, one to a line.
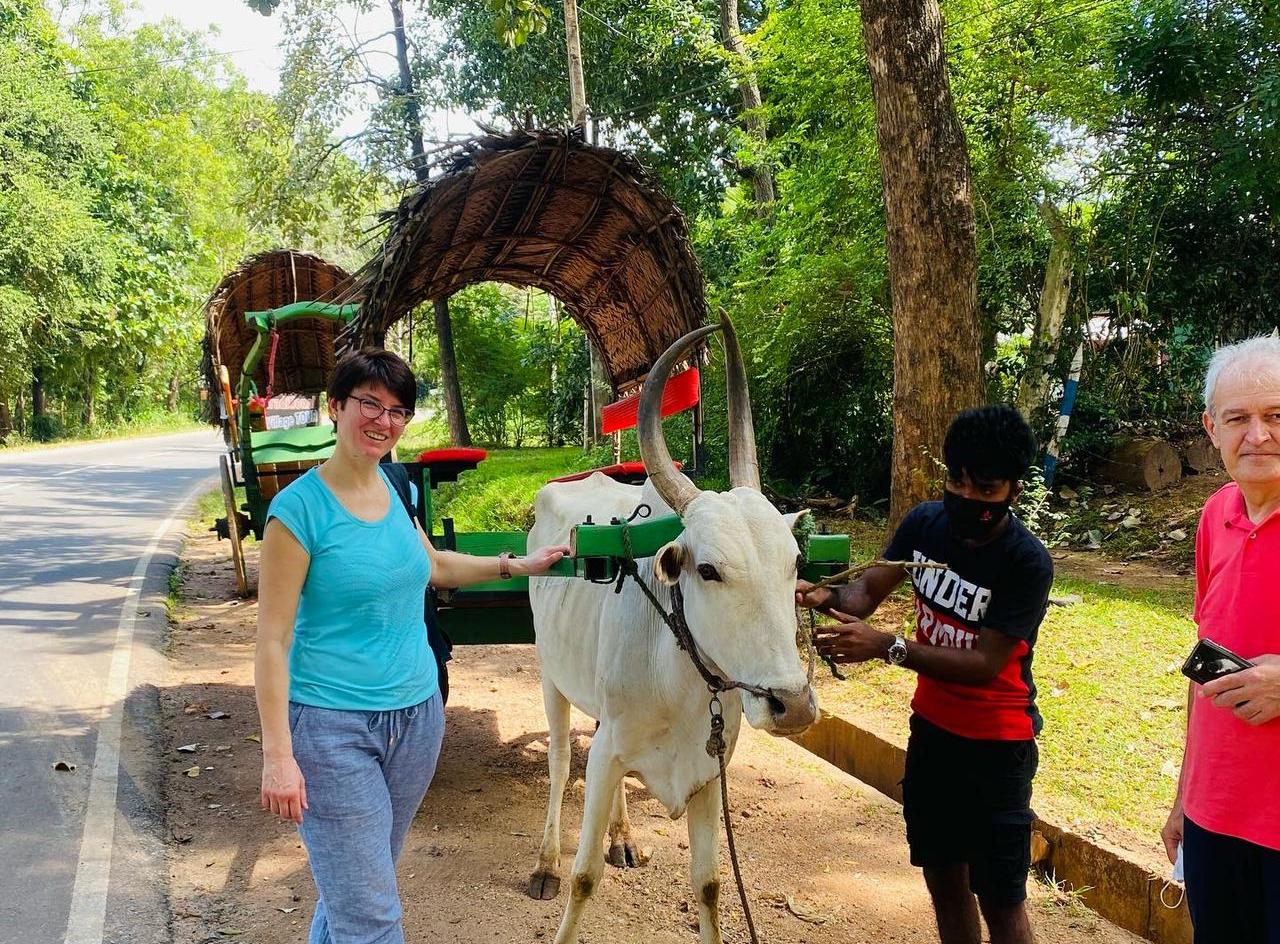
898,652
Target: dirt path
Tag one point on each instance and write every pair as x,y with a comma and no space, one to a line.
810,833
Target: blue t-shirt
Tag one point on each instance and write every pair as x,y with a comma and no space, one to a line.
359,640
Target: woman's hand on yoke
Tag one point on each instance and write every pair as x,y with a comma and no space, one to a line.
283,790
541,560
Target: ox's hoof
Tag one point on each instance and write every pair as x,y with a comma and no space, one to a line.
623,855
544,885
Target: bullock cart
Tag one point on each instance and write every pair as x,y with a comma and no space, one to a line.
270,346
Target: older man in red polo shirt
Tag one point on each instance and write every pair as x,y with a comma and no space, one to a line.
1227,812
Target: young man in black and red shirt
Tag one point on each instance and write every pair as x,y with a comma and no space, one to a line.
972,751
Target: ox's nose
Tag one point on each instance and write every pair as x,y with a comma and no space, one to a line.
792,712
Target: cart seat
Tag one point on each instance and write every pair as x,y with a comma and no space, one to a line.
629,473
445,465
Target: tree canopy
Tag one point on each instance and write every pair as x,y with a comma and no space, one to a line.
1141,138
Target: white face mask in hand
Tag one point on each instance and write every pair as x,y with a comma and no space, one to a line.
1176,878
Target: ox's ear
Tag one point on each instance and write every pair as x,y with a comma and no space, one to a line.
800,522
668,562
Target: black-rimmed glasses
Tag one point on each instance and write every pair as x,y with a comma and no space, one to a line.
372,409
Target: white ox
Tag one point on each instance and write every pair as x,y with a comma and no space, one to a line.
612,657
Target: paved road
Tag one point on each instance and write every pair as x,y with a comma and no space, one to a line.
81,622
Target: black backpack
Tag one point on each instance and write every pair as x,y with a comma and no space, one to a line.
437,638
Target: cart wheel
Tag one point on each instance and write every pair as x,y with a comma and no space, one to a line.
233,526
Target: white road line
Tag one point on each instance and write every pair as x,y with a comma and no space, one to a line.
83,468
93,869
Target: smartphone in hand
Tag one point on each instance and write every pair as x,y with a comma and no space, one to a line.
1209,661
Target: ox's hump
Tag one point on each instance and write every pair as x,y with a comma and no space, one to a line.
560,506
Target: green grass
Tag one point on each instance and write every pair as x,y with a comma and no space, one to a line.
1113,702
210,506
498,496
1110,690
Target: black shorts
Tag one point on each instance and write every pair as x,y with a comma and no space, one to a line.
968,801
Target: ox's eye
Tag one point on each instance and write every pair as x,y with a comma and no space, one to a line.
707,572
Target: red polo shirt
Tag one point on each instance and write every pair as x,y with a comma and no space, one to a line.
1231,780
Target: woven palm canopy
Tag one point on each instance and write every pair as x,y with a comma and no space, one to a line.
587,224
305,354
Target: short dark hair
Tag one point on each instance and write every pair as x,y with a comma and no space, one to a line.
990,443
373,365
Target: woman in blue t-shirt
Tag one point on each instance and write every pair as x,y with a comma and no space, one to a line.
348,695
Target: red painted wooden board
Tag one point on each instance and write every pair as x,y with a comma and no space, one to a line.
682,391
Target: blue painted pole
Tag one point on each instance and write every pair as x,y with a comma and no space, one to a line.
1064,416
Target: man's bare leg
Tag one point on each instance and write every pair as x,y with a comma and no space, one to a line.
1008,923
953,904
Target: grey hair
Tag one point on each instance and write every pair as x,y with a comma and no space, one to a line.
1263,347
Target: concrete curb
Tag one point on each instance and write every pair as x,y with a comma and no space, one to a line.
1122,891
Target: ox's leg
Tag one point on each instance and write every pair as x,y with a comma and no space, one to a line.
604,774
704,859
622,851
544,884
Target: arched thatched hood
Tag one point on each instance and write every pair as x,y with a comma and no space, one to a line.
305,357
542,208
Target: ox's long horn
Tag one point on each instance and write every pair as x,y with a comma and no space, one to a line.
672,485
744,467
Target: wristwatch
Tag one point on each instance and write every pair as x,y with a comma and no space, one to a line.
504,565
897,653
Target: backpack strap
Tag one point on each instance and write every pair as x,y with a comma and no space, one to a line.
398,476
437,638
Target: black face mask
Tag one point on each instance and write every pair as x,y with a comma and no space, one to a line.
973,519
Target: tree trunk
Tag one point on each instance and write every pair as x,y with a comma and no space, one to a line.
573,48
1033,392
20,412
444,329
458,433
1199,455
408,92
6,418
731,36
553,425
88,411
38,405
1142,463
932,251
175,388
601,391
